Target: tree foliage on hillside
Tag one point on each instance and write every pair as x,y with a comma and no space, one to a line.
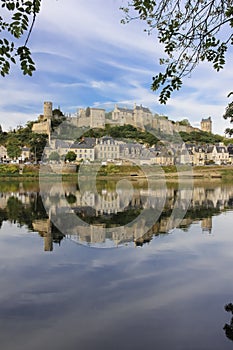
37,143
184,122
201,137
191,32
23,136
57,112
13,148
16,22
124,132
129,132
57,118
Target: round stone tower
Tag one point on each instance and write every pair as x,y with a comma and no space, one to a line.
48,110
48,113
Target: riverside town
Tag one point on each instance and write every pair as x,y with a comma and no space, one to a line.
116,175
115,137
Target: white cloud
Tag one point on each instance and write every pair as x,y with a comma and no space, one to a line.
85,56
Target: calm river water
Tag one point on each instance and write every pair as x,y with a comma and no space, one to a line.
116,280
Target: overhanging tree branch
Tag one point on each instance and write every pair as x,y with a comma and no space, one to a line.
12,30
32,24
190,31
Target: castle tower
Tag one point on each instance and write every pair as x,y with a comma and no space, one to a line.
206,125
206,225
48,110
48,113
48,238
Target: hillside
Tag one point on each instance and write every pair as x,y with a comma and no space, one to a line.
152,137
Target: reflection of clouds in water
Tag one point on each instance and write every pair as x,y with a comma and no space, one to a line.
117,291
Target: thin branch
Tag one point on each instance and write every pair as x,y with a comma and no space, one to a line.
32,24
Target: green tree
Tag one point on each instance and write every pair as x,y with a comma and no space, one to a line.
3,138
191,32
184,122
16,21
229,115
24,134
70,156
37,143
54,156
57,112
13,148
201,137
57,119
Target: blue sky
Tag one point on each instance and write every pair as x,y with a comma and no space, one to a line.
86,57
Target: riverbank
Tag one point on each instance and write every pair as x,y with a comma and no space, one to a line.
174,173
10,172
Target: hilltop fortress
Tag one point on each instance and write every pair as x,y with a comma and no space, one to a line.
139,117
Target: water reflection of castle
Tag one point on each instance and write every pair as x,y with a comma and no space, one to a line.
206,224
44,228
25,208
107,208
204,203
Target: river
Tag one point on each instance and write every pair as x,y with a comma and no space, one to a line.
116,267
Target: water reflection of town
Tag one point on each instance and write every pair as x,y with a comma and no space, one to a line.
24,207
108,209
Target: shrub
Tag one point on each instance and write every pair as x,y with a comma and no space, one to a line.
9,169
30,170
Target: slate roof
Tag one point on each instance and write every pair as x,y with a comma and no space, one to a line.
221,149
144,109
85,143
122,109
206,119
61,144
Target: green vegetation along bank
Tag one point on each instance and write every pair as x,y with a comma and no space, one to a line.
214,172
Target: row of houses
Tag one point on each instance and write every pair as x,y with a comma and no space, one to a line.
107,149
209,154
24,156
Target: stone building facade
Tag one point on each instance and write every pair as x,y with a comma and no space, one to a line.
91,117
107,148
84,150
139,116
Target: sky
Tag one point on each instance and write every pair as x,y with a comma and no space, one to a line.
85,57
